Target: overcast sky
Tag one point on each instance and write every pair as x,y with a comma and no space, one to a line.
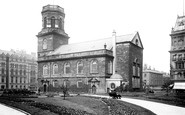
86,20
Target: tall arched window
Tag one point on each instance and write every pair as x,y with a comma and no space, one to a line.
110,67
45,70
48,22
45,22
136,68
56,23
52,22
55,69
80,67
44,44
60,23
94,66
67,68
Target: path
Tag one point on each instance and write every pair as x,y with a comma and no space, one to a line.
5,110
157,108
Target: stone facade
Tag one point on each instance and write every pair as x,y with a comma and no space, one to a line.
85,66
177,52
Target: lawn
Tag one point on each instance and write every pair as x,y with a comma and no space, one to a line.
76,105
90,105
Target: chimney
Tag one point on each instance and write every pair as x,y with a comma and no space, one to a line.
114,50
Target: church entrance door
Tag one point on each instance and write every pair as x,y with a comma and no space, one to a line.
94,89
45,86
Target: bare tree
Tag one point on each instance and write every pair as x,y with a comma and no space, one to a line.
64,90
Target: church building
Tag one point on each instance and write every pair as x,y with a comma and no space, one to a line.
95,66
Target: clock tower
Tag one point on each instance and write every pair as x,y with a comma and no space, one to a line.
52,34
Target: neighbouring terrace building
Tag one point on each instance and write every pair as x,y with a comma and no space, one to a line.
18,70
153,78
177,54
94,66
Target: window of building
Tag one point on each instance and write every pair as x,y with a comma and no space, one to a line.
137,42
11,86
48,23
11,79
180,57
56,23
94,66
80,67
20,72
174,57
67,69
2,87
52,22
24,72
110,67
45,22
2,79
20,80
16,72
45,70
15,79
60,23
55,69
2,64
79,84
3,71
136,68
44,45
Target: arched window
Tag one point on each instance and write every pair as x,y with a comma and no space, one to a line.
136,68
80,67
56,23
110,67
45,70
94,66
55,69
52,22
48,22
45,22
67,68
44,45
60,23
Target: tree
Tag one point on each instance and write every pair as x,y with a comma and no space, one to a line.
167,86
64,90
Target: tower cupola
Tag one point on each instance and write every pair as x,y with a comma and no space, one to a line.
52,34
52,20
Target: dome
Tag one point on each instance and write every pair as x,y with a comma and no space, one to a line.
116,76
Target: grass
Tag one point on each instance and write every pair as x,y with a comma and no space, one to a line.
90,105
77,105
159,96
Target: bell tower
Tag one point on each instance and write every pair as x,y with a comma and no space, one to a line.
52,34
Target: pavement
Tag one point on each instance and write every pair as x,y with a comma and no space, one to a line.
5,110
155,107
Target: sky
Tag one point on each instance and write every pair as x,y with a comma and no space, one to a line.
86,20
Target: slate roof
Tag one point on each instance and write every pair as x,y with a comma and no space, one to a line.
91,45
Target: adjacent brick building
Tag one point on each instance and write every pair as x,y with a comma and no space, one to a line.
18,70
85,66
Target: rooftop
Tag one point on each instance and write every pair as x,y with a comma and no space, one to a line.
52,8
92,45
